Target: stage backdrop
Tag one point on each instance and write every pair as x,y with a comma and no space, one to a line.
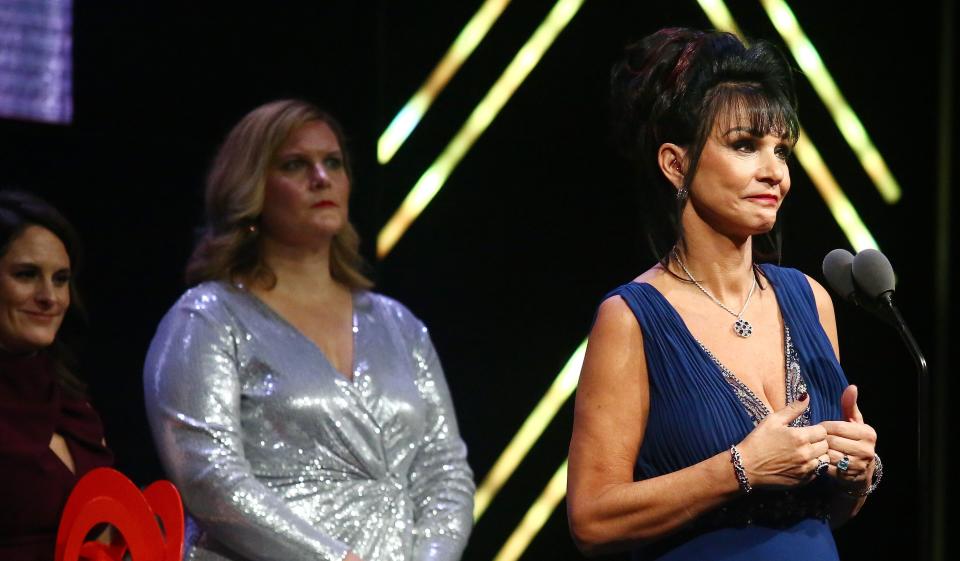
508,262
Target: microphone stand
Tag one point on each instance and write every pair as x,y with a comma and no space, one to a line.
924,436
901,325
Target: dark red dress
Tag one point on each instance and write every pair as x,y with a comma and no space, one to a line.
34,482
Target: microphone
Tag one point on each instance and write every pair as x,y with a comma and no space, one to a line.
868,281
875,283
861,280
838,270
873,274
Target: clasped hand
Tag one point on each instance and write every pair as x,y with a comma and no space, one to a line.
851,442
778,455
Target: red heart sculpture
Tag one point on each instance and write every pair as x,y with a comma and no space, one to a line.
106,496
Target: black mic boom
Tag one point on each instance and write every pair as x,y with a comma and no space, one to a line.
873,283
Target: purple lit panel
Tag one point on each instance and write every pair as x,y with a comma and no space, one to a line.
35,60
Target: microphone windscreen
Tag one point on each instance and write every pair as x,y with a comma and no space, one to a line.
873,273
838,270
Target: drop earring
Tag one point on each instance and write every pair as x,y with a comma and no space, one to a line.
682,191
681,194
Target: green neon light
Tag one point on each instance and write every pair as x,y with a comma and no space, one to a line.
846,120
562,388
437,174
463,46
720,17
536,517
839,205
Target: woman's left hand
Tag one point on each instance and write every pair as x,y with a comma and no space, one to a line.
851,444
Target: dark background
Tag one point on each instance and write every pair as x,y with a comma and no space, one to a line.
540,219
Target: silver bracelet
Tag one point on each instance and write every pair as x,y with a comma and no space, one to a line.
737,462
874,481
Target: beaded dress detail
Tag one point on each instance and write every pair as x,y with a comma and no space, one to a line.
698,409
754,405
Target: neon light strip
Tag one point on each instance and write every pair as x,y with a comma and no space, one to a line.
847,121
436,175
838,203
409,116
561,389
719,16
808,156
536,517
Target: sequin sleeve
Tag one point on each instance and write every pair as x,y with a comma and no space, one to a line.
192,393
441,480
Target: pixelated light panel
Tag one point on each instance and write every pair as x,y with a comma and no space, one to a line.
36,60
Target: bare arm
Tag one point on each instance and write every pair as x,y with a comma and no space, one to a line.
850,437
828,319
607,508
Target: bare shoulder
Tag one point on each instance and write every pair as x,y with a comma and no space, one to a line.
654,276
614,315
611,402
616,334
822,298
615,347
825,311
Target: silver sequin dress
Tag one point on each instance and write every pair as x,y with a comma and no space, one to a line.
279,457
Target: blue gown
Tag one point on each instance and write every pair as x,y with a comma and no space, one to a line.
698,409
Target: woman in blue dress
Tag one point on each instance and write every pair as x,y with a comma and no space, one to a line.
713,420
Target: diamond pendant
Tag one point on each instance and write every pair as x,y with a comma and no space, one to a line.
742,328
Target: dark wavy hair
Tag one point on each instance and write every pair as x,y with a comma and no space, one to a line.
673,86
18,211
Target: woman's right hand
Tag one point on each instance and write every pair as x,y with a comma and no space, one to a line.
775,454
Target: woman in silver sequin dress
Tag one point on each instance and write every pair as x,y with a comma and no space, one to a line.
302,416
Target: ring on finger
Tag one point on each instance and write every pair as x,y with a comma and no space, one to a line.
844,464
821,467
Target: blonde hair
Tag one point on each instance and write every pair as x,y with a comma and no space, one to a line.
229,247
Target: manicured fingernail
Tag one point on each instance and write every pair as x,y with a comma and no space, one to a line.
802,397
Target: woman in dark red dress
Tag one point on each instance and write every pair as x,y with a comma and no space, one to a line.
49,434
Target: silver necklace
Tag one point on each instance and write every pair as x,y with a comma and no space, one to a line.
741,327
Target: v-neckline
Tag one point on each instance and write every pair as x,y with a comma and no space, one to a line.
728,374
354,331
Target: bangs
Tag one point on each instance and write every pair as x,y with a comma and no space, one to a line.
747,105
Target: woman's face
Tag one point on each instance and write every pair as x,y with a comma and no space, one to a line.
741,180
307,188
34,290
